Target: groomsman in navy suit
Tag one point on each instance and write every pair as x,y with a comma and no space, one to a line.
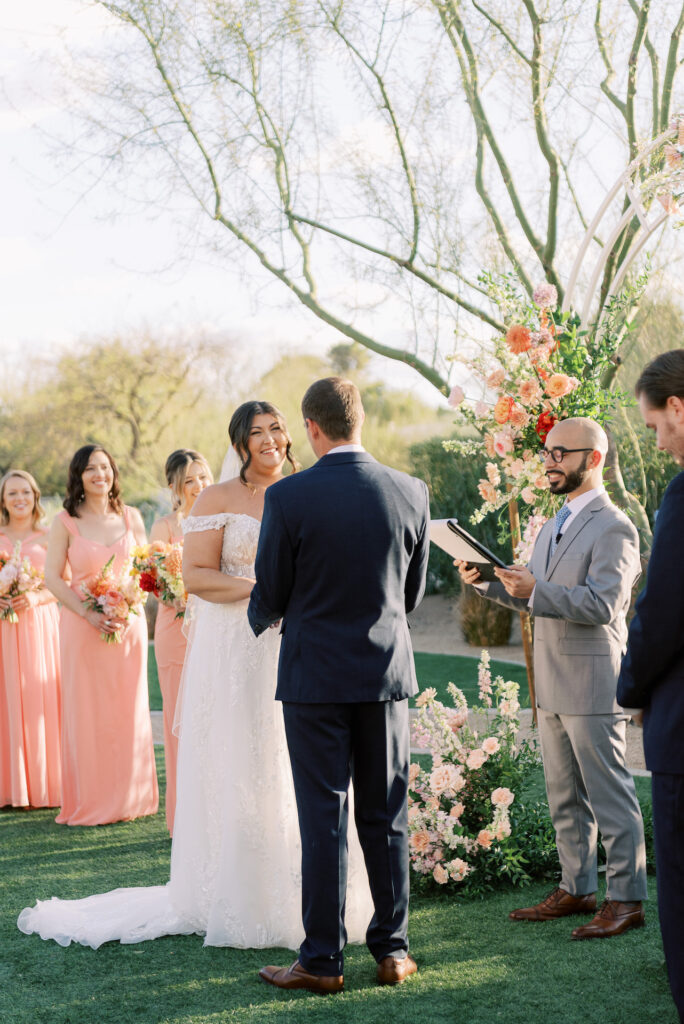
652,674
342,559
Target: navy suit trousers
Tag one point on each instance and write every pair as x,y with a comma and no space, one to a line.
668,825
329,744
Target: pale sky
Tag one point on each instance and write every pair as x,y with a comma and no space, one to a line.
69,269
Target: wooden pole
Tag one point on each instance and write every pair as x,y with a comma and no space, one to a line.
525,625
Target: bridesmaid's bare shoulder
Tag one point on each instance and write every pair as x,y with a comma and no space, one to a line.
162,528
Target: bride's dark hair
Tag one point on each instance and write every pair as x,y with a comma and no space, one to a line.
241,424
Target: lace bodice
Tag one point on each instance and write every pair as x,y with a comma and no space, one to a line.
240,539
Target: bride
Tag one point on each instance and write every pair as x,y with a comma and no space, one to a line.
235,856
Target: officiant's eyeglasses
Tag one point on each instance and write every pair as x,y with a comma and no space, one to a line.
558,454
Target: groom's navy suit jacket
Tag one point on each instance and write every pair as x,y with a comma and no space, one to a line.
342,559
652,673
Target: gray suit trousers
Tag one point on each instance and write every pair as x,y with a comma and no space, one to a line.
589,788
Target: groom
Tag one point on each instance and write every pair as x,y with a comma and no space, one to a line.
342,559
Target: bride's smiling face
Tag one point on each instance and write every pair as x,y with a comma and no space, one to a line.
267,443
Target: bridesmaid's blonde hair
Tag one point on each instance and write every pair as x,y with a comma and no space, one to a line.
38,510
176,469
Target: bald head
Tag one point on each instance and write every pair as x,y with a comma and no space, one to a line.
585,446
578,432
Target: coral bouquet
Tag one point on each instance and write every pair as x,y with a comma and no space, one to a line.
159,569
117,596
17,576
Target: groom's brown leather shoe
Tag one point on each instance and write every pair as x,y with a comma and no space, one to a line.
613,918
296,977
392,971
558,903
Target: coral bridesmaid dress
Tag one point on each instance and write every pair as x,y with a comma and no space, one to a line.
30,772
108,769
169,649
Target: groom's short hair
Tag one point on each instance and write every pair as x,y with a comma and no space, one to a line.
335,405
663,378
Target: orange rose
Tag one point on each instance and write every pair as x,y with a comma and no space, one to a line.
558,385
502,409
420,840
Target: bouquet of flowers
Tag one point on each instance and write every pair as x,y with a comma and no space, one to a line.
17,576
460,830
159,568
115,596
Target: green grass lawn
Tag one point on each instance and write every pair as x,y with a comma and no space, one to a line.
432,670
475,964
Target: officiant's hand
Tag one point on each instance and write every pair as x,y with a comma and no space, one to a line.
518,581
467,575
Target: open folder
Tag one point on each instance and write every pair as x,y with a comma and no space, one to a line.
457,542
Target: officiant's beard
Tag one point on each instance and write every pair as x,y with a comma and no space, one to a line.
571,481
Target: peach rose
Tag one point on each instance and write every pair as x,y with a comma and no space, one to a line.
493,474
502,409
503,829
502,797
420,841
413,812
503,443
425,696
558,385
518,338
487,491
529,392
444,779
456,810
476,758
489,445
414,771
528,495
484,838
490,745
440,875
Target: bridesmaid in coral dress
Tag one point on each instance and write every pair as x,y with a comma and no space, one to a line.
30,771
187,474
108,769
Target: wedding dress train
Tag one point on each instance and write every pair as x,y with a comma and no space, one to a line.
235,858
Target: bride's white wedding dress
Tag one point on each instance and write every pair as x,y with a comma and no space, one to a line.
235,857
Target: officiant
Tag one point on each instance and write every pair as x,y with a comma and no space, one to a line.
578,586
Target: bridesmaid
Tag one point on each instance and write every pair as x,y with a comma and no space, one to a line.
187,474
30,772
108,770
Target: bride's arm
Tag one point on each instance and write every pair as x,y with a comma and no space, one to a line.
202,558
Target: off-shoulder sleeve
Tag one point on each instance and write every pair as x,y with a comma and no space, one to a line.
198,524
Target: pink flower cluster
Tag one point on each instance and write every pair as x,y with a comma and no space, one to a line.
17,576
440,843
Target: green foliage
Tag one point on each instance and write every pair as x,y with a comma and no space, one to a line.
452,480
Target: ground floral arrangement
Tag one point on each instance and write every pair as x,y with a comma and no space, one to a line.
544,368
472,826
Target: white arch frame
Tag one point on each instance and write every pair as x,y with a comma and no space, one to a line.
647,226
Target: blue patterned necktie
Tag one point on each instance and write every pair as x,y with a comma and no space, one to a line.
560,519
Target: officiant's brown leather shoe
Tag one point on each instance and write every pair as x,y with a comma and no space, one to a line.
392,971
558,903
613,918
295,977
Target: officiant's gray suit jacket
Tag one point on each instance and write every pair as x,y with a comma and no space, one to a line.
580,602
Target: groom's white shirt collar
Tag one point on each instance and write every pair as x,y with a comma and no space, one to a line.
339,448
